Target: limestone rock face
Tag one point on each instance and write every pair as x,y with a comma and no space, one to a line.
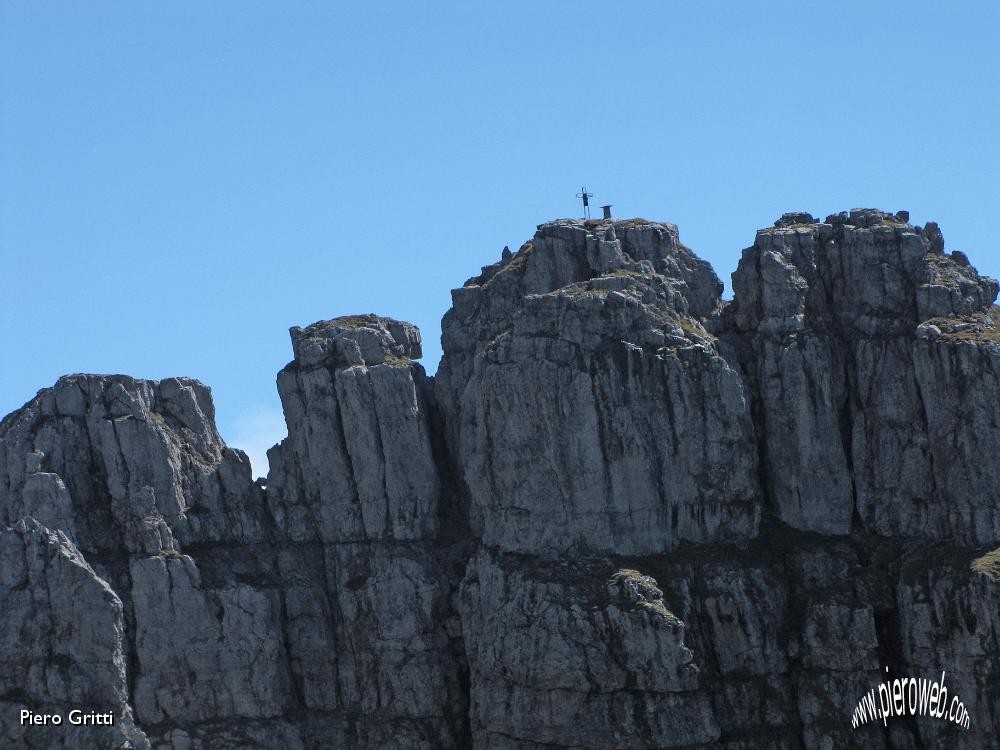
358,463
62,635
132,473
624,514
309,614
358,479
588,405
127,466
950,619
555,652
867,418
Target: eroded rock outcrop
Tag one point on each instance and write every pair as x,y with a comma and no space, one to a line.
588,406
63,634
564,654
866,412
624,514
310,614
141,473
358,476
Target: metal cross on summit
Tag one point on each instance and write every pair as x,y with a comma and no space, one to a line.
586,201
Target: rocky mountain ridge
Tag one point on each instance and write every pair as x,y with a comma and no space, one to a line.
623,514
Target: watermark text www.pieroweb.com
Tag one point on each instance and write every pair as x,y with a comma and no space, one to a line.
910,696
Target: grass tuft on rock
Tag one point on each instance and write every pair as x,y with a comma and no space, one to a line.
394,361
988,564
353,321
978,327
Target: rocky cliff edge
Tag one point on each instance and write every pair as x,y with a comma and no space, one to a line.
624,514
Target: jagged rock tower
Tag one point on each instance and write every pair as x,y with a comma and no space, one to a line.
624,514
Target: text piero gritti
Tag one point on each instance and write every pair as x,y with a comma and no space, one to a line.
75,717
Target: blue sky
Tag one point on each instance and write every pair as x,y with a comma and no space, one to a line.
181,182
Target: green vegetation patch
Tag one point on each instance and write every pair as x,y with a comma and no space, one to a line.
625,272
792,227
392,359
353,321
577,291
988,564
979,327
520,257
516,261
693,329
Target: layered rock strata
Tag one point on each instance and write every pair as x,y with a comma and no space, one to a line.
624,514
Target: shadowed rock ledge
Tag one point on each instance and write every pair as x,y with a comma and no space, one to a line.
624,514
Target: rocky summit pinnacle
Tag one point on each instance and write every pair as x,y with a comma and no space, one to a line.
623,514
